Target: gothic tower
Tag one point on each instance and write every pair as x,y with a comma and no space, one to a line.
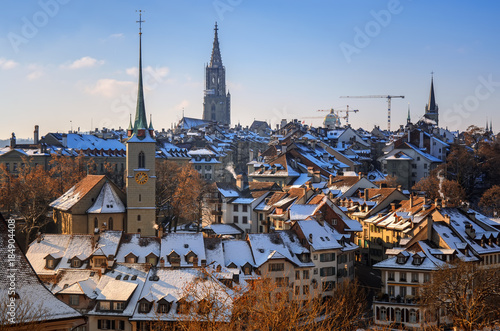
140,175
216,103
432,109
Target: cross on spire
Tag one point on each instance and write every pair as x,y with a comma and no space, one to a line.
140,21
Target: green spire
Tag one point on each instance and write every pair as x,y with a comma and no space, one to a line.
150,122
140,113
130,127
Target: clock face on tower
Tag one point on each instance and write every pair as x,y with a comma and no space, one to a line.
141,177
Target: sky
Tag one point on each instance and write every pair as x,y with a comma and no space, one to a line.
72,64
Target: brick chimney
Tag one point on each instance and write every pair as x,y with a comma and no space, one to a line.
240,182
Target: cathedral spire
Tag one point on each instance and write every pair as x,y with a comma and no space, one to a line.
216,59
408,119
140,122
431,106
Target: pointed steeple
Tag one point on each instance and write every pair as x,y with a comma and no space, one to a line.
216,59
486,127
408,119
431,106
140,122
491,125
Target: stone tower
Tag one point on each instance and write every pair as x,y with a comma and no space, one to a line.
432,109
140,175
216,103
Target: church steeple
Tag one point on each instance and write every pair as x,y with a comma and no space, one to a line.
432,109
140,123
432,100
408,119
216,59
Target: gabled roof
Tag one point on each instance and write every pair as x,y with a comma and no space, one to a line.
33,296
77,192
107,201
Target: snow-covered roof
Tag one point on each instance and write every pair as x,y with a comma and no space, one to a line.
108,243
139,246
107,201
117,290
183,243
318,237
301,212
77,192
32,296
224,229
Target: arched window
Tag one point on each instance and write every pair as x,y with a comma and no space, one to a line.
96,223
142,160
110,223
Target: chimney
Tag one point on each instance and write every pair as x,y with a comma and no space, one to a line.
239,182
469,230
310,171
411,200
330,179
421,142
13,141
430,223
360,175
365,194
316,176
35,135
160,230
310,238
64,140
162,262
393,206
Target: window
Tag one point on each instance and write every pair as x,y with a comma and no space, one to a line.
315,256
328,286
402,291
390,290
305,274
276,267
235,207
142,160
74,299
328,271
305,289
7,166
110,223
281,281
163,308
414,277
327,257
425,165
138,217
119,306
96,223
104,305
105,324
390,275
14,168
383,314
297,274
245,208
244,220
413,316
414,291
315,271
297,290
140,198
50,264
144,307
76,263
235,219
427,278
402,276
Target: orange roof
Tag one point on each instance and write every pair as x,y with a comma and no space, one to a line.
77,192
339,181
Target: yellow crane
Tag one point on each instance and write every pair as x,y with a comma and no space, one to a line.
388,97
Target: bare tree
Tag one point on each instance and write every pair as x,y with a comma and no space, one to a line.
469,295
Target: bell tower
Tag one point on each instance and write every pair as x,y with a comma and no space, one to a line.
216,103
140,176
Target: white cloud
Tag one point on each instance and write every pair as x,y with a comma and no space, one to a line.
109,87
36,71
116,36
7,64
84,62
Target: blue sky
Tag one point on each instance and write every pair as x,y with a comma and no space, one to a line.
73,63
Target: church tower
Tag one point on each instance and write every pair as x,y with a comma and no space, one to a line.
216,103
432,109
140,175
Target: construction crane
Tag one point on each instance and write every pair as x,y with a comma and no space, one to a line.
388,97
338,111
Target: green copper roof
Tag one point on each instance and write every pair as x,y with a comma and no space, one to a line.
140,113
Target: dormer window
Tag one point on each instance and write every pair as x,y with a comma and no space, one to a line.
152,259
76,262
130,258
174,259
191,257
144,306
401,259
163,306
104,305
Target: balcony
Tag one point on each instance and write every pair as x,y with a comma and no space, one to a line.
216,212
397,300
